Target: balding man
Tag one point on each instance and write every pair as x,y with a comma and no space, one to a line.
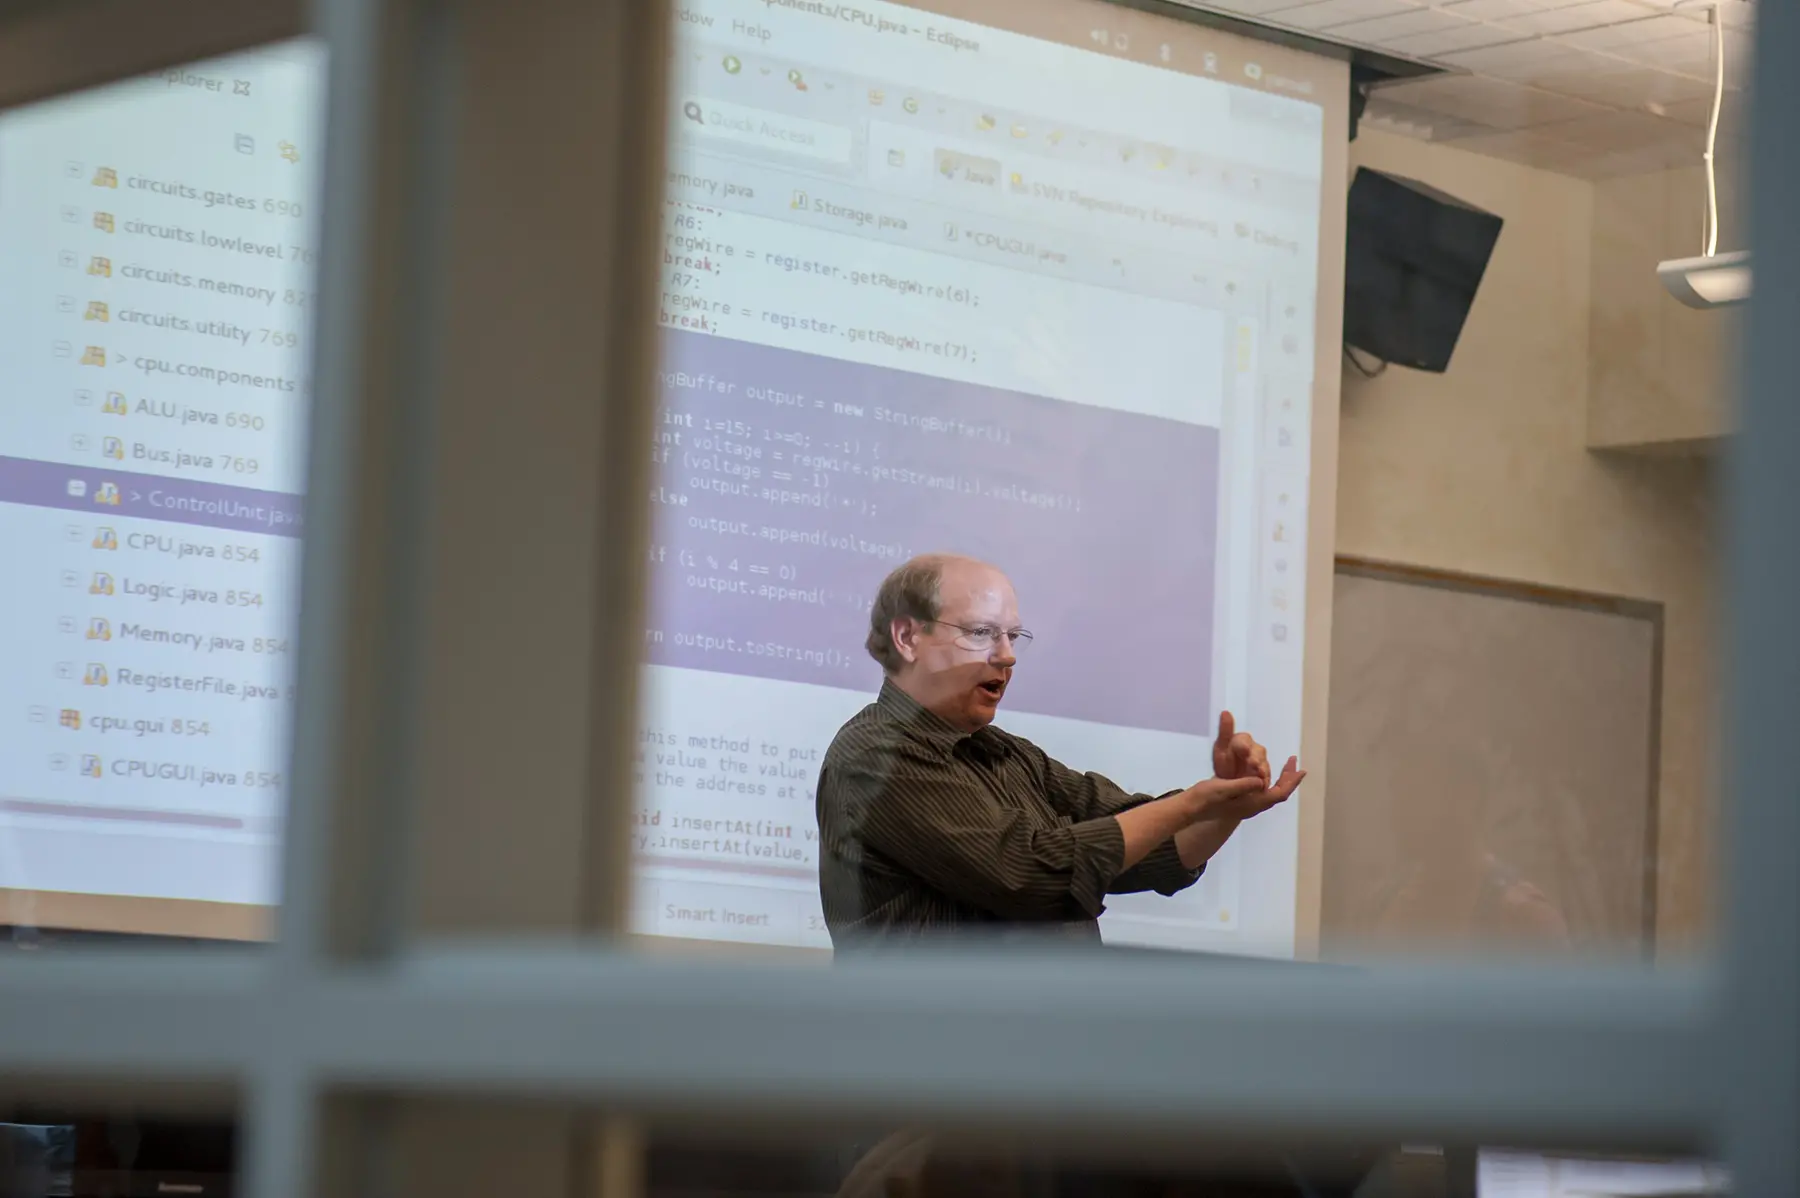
932,820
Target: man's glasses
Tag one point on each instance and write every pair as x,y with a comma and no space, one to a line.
981,638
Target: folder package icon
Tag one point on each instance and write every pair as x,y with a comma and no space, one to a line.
93,355
106,176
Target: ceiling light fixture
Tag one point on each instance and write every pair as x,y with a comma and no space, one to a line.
1713,279
1709,281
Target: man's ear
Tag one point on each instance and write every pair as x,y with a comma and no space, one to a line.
905,633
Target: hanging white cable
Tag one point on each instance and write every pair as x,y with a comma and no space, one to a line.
1713,279
1709,244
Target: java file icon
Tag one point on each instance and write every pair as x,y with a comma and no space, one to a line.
103,221
97,310
106,176
100,268
70,719
91,766
107,494
93,355
99,629
95,676
113,448
102,584
115,403
105,538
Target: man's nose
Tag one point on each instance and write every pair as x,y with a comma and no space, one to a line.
1002,653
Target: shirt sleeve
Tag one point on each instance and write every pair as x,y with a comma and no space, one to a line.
947,829
1086,796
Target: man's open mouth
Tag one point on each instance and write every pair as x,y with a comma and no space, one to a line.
994,686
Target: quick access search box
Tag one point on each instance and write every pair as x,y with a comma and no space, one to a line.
719,120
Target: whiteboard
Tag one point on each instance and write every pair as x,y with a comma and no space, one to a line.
1493,754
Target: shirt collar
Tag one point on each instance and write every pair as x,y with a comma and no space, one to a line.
932,728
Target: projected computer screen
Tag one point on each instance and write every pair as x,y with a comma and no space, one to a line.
1043,294
1037,282
157,242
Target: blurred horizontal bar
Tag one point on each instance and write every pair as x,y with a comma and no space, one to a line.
1127,1045
86,1019
52,47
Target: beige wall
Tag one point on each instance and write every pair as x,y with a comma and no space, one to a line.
1659,373
1486,470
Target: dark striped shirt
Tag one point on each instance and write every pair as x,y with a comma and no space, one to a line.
924,829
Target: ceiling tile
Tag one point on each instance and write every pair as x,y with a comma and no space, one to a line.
1492,102
1697,111
1642,161
1626,86
1690,118
1517,60
1550,70
1667,88
1620,131
1590,14
1326,14
1492,10
1644,87
1639,32
1528,147
1589,88
1382,30
1418,122
1738,14
1465,36
1694,55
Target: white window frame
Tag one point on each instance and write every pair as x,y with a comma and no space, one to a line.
414,971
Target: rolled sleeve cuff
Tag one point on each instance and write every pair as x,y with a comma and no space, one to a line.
1162,871
1099,859
1165,873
